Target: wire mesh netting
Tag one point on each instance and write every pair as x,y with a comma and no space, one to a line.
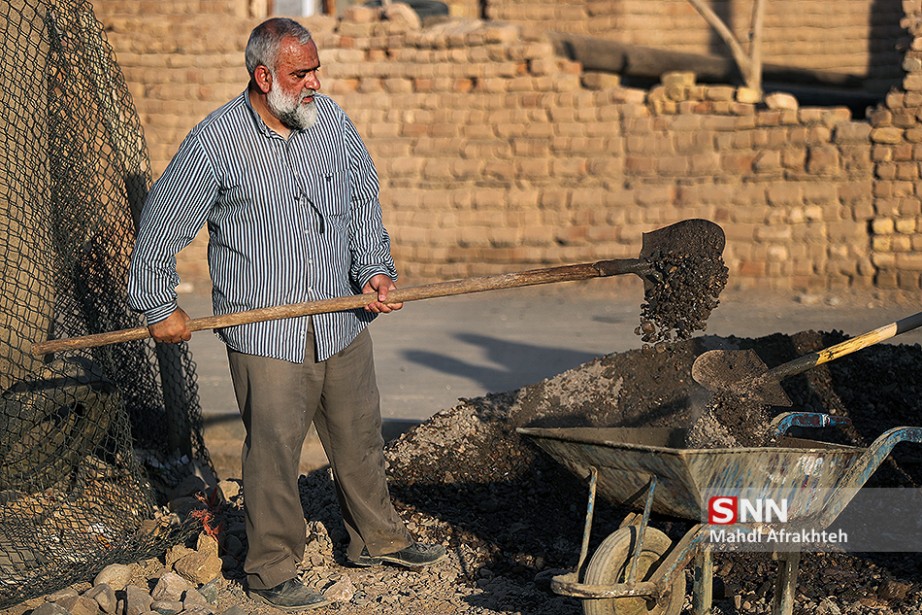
90,441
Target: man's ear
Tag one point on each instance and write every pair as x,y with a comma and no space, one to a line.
263,78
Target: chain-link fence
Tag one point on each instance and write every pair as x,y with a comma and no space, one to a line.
91,441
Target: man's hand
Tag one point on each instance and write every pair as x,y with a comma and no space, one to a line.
173,330
380,284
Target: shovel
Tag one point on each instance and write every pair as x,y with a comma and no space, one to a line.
742,372
681,237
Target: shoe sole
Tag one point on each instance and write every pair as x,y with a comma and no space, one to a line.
289,609
368,562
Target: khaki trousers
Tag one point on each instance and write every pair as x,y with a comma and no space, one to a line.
278,400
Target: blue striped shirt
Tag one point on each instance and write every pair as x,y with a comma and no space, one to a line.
288,221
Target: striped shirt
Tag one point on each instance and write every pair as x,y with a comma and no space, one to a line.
288,221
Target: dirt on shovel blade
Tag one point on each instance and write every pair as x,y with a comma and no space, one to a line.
680,304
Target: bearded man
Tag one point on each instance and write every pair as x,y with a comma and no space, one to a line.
290,197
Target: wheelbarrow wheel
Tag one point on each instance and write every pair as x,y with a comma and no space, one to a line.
610,565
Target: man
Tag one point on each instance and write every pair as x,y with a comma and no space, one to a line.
290,195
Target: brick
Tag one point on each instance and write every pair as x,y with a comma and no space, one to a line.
823,160
887,135
906,226
504,170
767,161
780,194
600,81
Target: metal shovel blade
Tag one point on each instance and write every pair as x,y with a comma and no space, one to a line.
695,236
739,372
743,373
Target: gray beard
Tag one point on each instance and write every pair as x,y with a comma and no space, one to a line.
291,111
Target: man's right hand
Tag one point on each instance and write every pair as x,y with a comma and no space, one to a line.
173,330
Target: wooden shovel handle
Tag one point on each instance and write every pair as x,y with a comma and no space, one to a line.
875,336
533,277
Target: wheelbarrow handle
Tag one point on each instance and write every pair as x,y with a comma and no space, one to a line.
786,420
865,466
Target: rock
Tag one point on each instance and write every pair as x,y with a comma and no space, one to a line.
137,600
199,568
230,489
234,610
678,79
210,590
361,14
175,554
150,568
170,587
894,590
193,599
50,608
207,544
166,607
402,13
341,591
104,596
116,576
67,592
748,95
80,605
808,299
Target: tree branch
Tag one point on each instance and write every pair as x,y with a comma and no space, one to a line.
750,76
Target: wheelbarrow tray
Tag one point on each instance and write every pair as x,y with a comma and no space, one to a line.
816,478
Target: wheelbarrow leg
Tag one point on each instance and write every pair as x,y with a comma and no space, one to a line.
703,591
785,582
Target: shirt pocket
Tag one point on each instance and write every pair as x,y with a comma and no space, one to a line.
329,193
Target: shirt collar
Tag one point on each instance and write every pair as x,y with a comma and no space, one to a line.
258,121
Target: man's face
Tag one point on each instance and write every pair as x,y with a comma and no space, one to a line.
294,83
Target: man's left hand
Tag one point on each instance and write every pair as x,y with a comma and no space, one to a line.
381,284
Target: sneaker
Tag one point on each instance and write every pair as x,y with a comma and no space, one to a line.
291,595
416,555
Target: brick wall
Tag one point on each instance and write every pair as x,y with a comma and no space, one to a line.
850,36
496,156
896,136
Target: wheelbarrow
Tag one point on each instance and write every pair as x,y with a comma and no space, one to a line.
637,569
